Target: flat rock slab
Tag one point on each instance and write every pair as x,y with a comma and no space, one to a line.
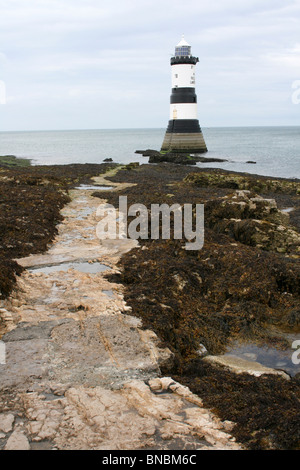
106,350
240,366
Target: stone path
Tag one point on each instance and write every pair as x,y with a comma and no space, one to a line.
80,371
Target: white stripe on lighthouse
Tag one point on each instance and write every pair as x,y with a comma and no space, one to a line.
183,76
183,111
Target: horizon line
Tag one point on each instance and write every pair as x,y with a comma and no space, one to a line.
143,128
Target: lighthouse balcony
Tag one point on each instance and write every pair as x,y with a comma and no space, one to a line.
184,60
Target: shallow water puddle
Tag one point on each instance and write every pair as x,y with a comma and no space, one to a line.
267,356
55,294
83,267
85,212
91,187
109,293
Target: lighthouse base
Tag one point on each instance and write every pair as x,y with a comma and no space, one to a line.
184,136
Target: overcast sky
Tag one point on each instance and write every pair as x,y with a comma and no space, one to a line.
94,64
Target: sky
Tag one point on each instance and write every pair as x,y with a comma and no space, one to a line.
95,64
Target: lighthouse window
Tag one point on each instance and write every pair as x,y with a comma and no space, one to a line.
176,75
183,51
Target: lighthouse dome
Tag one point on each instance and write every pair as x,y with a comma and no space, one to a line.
183,49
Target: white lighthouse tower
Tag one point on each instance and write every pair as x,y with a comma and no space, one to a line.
183,134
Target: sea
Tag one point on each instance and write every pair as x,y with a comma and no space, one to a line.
275,150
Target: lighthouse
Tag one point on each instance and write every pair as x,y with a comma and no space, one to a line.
183,134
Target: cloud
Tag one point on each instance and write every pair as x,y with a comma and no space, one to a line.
79,57
285,58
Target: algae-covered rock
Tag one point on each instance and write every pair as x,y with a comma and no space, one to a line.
12,161
259,184
178,158
132,166
253,220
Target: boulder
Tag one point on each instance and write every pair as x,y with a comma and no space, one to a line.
17,441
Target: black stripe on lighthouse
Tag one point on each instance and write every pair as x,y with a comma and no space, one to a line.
184,60
183,95
183,126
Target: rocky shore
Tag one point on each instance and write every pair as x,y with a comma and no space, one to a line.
182,159
113,344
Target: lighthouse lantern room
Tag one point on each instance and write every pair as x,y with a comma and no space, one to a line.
183,134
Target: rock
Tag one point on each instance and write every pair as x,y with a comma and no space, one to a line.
250,161
148,152
252,220
209,159
6,321
173,158
155,385
17,441
132,166
108,160
202,351
167,384
240,366
217,178
157,157
170,157
6,422
132,417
